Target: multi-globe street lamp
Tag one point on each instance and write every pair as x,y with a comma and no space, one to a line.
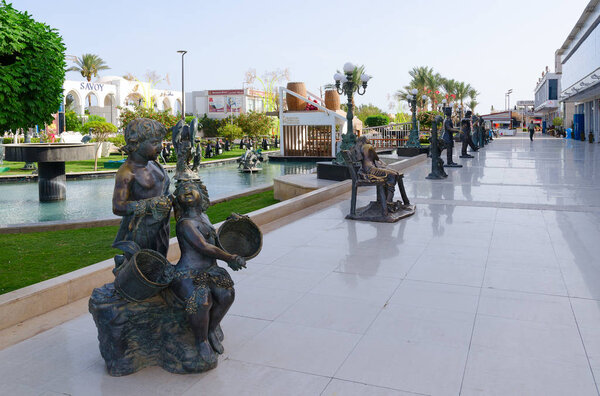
345,84
413,138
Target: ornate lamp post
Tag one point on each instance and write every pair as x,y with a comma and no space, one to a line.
345,85
413,138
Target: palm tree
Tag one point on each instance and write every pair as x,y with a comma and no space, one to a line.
89,65
433,83
473,96
462,91
449,87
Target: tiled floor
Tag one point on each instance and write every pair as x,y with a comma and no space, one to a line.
493,287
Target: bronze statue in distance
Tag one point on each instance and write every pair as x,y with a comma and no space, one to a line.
142,189
371,170
184,138
467,140
448,137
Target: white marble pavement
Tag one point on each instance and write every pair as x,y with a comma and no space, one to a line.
493,287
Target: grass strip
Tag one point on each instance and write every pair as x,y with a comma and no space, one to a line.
26,259
88,165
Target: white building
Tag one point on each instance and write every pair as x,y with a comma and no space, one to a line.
546,103
106,93
578,59
224,102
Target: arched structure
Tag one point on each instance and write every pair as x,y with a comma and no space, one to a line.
108,93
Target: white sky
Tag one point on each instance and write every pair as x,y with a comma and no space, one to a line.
494,45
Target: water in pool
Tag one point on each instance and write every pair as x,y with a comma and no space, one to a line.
91,199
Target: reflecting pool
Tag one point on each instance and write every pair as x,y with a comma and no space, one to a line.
91,199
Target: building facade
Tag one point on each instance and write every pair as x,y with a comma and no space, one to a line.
578,59
106,95
223,103
546,100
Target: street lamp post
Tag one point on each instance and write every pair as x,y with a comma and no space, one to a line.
413,138
182,52
346,85
507,96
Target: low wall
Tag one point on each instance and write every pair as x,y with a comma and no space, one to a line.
31,301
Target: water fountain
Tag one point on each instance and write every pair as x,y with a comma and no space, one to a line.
51,158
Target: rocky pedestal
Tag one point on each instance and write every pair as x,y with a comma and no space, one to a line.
134,335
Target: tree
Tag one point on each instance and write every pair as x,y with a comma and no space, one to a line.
462,92
254,124
230,131
268,81
363,111
377,120
89,65
101,131
164,117
32,70
72,121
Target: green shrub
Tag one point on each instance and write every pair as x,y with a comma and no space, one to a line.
255,124
164,117
99,127
72,121
425,118
377,120
94,117
118,141
210,127
557,121
230,131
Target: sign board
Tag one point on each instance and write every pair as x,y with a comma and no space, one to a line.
216,104
523,103
226,92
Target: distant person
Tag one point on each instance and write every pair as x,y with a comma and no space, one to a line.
227,145
531,128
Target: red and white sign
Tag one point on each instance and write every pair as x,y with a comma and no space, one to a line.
226,92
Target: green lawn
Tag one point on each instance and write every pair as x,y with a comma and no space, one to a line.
26,259
88,165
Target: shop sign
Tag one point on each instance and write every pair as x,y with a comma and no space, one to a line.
227,92
91,86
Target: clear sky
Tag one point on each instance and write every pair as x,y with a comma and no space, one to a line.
494,45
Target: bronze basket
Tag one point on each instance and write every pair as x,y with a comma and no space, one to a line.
240,235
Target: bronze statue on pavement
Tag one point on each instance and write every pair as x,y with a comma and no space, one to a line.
467,141
448,137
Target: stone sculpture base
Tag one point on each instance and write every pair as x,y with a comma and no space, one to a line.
372,212
331,171
155,332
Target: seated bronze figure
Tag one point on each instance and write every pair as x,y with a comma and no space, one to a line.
367,169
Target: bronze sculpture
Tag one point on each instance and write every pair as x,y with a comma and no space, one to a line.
156,313
205,288
366,169
373,168
142,189
448,137
465,126
436,147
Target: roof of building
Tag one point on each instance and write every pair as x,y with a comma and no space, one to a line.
589,9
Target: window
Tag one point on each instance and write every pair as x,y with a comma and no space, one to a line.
553,89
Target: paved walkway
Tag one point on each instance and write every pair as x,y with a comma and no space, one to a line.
493,287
